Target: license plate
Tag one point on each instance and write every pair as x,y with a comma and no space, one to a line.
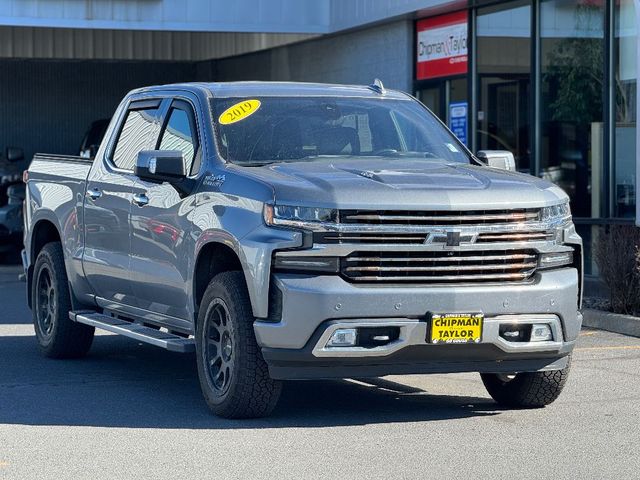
456,328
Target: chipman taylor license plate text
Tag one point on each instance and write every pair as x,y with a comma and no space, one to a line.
456,328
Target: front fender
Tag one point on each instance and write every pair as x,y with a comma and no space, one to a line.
254,251
237,222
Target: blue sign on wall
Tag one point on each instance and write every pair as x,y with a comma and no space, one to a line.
458,120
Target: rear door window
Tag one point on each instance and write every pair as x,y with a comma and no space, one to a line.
137,134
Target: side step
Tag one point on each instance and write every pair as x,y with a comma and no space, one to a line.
138,332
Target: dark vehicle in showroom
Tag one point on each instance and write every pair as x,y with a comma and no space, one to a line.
12,192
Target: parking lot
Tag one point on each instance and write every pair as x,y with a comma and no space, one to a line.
132,411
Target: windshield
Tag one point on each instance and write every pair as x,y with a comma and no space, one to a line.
263,130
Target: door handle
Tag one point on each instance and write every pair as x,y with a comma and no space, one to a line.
94,193
140,199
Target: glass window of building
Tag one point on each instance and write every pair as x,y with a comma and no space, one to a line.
441,69
504,67
572,85
626,91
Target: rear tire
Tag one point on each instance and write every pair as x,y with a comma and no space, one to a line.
57,335
234,377
526,390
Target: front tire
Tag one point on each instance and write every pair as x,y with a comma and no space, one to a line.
57,335
234,377
528,389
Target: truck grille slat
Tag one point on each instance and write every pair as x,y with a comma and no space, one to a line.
474,258
515,237
449,279
419,239
438,217
439,266
372,238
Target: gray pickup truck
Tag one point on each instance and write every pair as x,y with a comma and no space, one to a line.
289,231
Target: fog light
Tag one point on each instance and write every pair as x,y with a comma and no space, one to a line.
343,337
541,332
515,332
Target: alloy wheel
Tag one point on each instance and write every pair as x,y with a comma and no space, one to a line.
219,354
46,302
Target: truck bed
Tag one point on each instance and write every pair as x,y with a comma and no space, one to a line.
57,184
48,167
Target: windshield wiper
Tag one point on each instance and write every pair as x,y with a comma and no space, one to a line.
252,164
392,152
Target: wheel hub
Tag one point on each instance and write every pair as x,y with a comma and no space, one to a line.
227,348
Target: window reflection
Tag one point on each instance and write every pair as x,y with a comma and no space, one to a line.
178,136
572,55
136,135
625,109
504,52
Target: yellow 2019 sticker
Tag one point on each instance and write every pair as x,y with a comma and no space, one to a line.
239,111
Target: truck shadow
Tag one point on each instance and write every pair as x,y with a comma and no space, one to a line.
125,384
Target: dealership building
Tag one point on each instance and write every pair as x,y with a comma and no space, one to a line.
554,81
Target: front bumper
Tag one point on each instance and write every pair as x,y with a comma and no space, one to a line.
313,305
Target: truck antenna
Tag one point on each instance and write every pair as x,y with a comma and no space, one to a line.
377,86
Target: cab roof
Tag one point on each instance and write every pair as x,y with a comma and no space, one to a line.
284,89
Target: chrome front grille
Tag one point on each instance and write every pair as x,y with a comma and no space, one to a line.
437,247
439,266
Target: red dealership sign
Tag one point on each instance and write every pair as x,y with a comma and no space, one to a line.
442,46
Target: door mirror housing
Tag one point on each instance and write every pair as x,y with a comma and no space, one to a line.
161,166
14,154
502,159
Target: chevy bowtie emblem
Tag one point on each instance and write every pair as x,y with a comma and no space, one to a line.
452,238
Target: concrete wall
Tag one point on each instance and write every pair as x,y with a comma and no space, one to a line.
357,57
276,16
46,106
102,44
281,16
355,13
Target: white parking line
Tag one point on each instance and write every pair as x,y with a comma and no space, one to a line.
17,330
616,347
26,330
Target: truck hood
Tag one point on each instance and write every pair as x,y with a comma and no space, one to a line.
401,182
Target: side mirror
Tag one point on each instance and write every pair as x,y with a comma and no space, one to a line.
161,166
14,154
502,159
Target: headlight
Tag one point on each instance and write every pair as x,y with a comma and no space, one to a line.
300,217
555,260
556,212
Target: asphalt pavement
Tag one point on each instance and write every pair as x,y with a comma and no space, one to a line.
131,411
